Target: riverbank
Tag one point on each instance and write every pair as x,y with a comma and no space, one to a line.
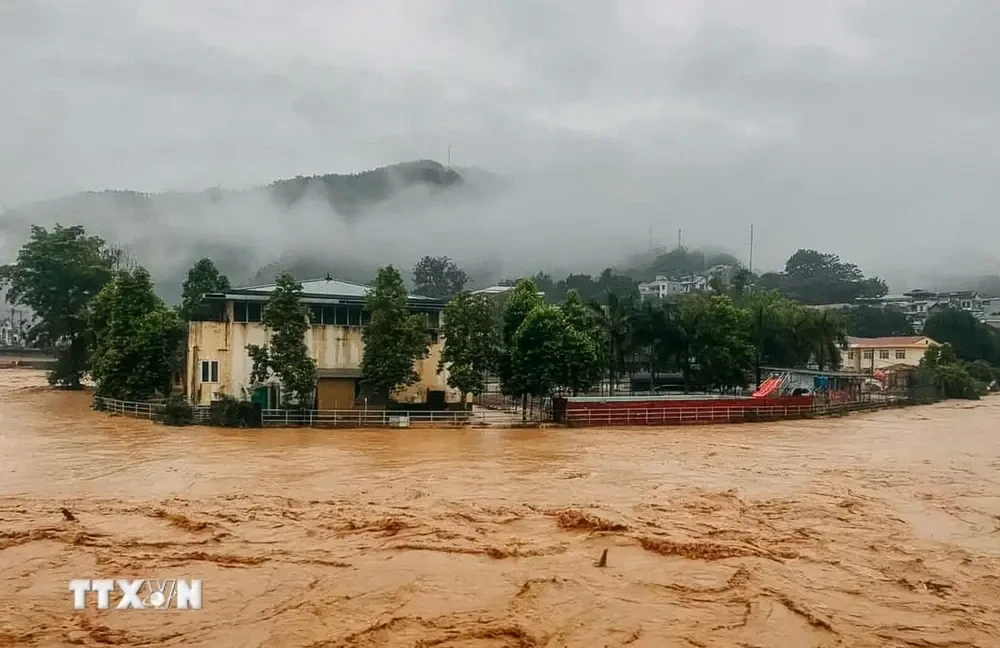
873,530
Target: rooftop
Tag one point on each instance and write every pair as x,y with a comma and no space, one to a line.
892,342
327,287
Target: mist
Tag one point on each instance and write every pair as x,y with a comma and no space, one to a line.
585,131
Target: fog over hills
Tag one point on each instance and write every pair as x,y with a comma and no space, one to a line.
580,133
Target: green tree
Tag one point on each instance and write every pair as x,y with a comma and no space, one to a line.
869,322
438,277
825,334
581,353
614,318
137,341
202,278
56,274
471,343
394,338
655,328
518,303
286,354
539,358
814,277
717,339
971,339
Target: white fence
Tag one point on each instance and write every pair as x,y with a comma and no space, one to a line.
385,418
152,411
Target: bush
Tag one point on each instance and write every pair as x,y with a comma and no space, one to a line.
953,381
982,371
178,412
230,412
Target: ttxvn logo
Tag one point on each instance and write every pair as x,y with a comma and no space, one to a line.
141,594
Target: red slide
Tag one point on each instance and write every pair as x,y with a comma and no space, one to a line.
767,387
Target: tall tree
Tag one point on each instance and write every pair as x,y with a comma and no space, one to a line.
471,343
717,335
438,277
614,317
971,339
582,361
866,321
202,278
814,277
286,354
826,333
394,338
538,354
518,304
56,275
137,341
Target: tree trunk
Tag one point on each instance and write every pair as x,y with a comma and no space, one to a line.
524,408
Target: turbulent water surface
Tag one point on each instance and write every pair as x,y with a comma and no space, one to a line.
875,530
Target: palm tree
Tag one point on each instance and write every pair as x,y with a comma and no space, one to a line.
826,335
615,319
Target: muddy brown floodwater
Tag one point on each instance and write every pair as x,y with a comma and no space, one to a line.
873,530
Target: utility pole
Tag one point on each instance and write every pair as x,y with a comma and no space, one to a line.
449,155
679,246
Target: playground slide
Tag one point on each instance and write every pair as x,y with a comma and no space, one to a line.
767,387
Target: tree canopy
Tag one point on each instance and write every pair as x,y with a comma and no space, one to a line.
202,278
438,277
813,277
471,343
394,338
286,353
971,339
56,274
137,341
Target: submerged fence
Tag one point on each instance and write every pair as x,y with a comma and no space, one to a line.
381,418
705,415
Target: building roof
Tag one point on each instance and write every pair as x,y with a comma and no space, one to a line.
321,290
889,342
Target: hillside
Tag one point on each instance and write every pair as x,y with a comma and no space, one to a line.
245,230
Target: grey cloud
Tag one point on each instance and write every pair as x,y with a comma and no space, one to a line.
864,128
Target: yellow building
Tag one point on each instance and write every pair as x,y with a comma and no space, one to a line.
868,355
218,363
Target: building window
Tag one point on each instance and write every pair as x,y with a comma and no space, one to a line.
209,371
247,311
867,355
850,355
883,354
901,354
315,314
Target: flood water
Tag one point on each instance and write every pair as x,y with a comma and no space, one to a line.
873,530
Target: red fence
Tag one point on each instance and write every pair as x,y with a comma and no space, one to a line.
682,412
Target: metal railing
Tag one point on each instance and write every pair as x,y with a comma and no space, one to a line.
384,418
720,414
152,411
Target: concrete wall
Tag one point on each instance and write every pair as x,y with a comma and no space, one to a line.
855,360
332,347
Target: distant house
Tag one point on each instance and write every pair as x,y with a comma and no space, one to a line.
868,355
218,363
662,287
918,304
498,290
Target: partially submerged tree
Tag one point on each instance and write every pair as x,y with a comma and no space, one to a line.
438,277
286,354
202,278
56,274
518,304
137,341
471,343
395,339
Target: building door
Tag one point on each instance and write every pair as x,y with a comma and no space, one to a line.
336,393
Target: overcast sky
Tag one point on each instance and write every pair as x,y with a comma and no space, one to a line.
865,128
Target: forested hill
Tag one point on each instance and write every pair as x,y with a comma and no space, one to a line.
245,229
